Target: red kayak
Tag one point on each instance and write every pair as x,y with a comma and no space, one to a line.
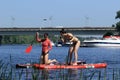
81,66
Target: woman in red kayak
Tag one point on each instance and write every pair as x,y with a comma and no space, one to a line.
46,47
68,37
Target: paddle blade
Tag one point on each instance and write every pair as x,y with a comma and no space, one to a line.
28,49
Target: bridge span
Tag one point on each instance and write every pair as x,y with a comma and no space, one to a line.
55,31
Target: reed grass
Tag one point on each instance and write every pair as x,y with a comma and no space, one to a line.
9,72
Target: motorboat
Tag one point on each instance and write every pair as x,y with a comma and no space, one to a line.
58,44
66,44
110,41
53,44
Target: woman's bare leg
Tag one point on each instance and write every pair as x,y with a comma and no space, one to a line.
41,59
46,59
70,55
51,61
76,51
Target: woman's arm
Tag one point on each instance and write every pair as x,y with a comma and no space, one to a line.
72,37
62,39
50,45
37,37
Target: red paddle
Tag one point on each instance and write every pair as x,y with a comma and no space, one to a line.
28,49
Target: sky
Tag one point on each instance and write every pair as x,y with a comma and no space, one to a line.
58,13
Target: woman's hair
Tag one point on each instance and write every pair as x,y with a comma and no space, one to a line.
46,34
62,31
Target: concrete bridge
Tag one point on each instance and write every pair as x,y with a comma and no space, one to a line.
82,31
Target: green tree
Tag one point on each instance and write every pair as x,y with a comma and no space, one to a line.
108,34
118,23
7,39
118,15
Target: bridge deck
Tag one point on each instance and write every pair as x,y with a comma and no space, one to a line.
74,30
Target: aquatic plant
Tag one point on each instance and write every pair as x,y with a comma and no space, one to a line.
12,73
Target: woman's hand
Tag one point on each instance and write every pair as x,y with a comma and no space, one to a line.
37,37
37,33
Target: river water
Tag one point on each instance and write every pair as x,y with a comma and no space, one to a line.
110,55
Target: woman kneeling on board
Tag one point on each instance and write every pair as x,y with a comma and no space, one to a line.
46,47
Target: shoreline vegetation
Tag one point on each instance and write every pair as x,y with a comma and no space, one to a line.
17,39
24,39
30,39
21,39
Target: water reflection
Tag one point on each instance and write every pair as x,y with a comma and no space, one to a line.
44,74
73,74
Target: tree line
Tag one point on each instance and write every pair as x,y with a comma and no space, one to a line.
17,39
116,25
22,39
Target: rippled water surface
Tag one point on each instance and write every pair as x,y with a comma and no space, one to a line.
110,55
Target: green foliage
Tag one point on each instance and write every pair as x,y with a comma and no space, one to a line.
18,39
118,23
108,34
118,26
118,15
22,39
